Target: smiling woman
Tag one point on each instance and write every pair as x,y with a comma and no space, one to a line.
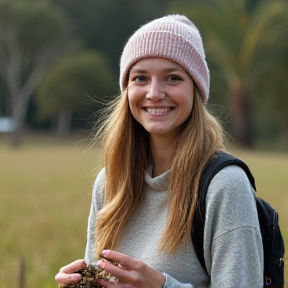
157,139
160,94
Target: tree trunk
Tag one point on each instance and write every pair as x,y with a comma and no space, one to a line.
64,121
284,133
241,126
18,117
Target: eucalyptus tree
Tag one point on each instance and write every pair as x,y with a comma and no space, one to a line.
244,42
33,35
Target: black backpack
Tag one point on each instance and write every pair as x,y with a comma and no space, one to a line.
272,240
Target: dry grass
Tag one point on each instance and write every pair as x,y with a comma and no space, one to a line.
45,193
45,199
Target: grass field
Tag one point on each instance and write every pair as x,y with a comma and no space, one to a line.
45,192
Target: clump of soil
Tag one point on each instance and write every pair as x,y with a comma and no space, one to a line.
90,274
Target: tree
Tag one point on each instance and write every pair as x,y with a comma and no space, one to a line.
33,35
244,42
75,81
105,25
274,91
3,100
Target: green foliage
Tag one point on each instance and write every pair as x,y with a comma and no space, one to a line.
74,81
105,25
272,102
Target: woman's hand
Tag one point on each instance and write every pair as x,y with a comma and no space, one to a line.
66,274
131,273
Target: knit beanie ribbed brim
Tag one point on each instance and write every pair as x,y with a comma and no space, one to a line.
173,37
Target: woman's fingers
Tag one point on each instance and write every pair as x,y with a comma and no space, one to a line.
122,259
129,267
73,267
131,273
62,278
67,273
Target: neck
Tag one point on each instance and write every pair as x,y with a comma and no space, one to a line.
161,150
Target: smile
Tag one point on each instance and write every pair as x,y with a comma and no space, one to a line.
158,111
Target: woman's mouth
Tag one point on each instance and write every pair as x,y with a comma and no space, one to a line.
158,111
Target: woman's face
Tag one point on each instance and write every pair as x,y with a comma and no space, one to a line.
160,95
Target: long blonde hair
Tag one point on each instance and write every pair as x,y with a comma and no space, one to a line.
126,157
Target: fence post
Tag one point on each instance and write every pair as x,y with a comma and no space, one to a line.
22,273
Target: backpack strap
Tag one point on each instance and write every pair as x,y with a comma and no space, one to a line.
215,164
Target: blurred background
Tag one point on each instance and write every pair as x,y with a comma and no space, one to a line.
59,64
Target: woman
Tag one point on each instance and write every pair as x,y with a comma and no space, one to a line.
157,140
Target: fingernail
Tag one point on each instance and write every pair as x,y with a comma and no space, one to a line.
103,253
100,263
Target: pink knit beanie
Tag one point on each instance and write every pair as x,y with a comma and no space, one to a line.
173,37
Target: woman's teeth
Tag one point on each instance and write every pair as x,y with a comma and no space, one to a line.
158,110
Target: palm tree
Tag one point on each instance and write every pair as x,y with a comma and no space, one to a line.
244,44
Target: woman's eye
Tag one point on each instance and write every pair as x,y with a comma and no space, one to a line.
174,78
139,78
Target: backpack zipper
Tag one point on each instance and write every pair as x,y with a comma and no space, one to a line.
274,223
274,220
281,261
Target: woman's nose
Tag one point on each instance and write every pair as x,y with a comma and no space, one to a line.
156,91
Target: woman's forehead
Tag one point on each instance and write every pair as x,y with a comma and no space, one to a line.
156,63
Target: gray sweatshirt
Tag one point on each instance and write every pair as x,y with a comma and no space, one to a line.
232,242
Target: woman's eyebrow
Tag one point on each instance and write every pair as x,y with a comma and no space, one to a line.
136,70
174,69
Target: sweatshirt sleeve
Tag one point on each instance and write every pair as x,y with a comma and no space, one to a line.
96,204
233,248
